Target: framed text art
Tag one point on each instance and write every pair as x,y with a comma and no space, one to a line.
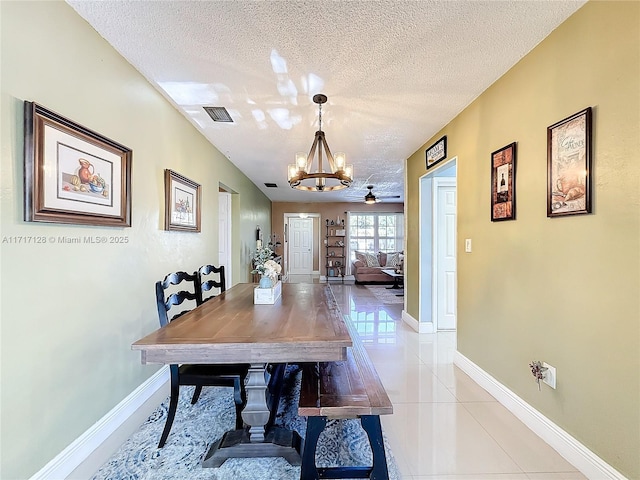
182,203
437,152
503,183
569,165
72,174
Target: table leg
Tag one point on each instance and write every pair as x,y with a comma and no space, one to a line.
396,283
256,413
254,440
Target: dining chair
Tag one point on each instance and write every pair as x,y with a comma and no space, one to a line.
188,289
207,275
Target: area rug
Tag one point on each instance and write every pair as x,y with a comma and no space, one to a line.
197,426
385,294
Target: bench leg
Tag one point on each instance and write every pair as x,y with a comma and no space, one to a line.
371,425
315,426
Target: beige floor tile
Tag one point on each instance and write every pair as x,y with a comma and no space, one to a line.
412,383
528,450
462,386
443,438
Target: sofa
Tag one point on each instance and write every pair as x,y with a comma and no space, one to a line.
367,267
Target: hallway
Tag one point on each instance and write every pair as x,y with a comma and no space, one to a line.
444,425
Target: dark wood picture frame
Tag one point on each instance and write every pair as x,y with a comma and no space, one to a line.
503,183
569,165
182,203
72,174
436,152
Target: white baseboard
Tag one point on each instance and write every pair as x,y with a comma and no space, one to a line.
91,449
591,466
420,327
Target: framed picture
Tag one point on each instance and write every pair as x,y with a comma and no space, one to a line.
569,165
503,183
182,203
437,152
72,174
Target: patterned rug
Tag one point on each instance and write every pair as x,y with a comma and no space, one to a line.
197,426
385,294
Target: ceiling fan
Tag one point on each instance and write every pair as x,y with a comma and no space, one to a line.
370,198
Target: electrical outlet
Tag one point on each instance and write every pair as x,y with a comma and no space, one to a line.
467,245
549,375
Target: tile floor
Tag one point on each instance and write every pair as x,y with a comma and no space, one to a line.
444,425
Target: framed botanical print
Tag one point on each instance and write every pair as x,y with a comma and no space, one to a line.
182,203
569,165
503,183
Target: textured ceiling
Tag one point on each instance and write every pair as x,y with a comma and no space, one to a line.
395,73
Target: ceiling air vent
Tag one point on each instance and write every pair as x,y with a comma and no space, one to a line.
270,185
218,114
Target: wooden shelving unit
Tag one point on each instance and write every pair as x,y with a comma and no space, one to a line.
335,261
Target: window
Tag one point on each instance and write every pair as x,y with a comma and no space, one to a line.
375,232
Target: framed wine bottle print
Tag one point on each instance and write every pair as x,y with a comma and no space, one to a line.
503,183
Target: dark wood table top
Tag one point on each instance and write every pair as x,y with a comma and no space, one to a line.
304,325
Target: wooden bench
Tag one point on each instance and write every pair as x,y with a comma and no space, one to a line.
337,390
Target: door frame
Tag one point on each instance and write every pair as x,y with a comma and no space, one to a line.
425,243
224,196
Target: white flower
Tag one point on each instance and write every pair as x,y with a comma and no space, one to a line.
272,269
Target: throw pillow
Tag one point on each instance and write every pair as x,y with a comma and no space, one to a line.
371,260
393,259
360,256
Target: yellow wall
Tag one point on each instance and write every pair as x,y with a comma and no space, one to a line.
69,313
561,290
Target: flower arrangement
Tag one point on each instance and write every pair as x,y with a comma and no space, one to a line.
264,265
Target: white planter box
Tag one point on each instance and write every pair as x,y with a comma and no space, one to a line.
267,296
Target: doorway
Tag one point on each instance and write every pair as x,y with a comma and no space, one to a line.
224,235
438,283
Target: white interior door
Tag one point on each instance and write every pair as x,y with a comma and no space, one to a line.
224,235
300,246
444,254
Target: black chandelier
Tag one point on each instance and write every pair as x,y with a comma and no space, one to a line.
300,175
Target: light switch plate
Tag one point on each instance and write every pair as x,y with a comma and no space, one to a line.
467,245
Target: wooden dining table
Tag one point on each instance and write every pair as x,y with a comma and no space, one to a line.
304,325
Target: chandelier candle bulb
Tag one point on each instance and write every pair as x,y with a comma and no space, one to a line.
339,159
301,161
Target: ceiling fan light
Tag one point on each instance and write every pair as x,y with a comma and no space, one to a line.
370,198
